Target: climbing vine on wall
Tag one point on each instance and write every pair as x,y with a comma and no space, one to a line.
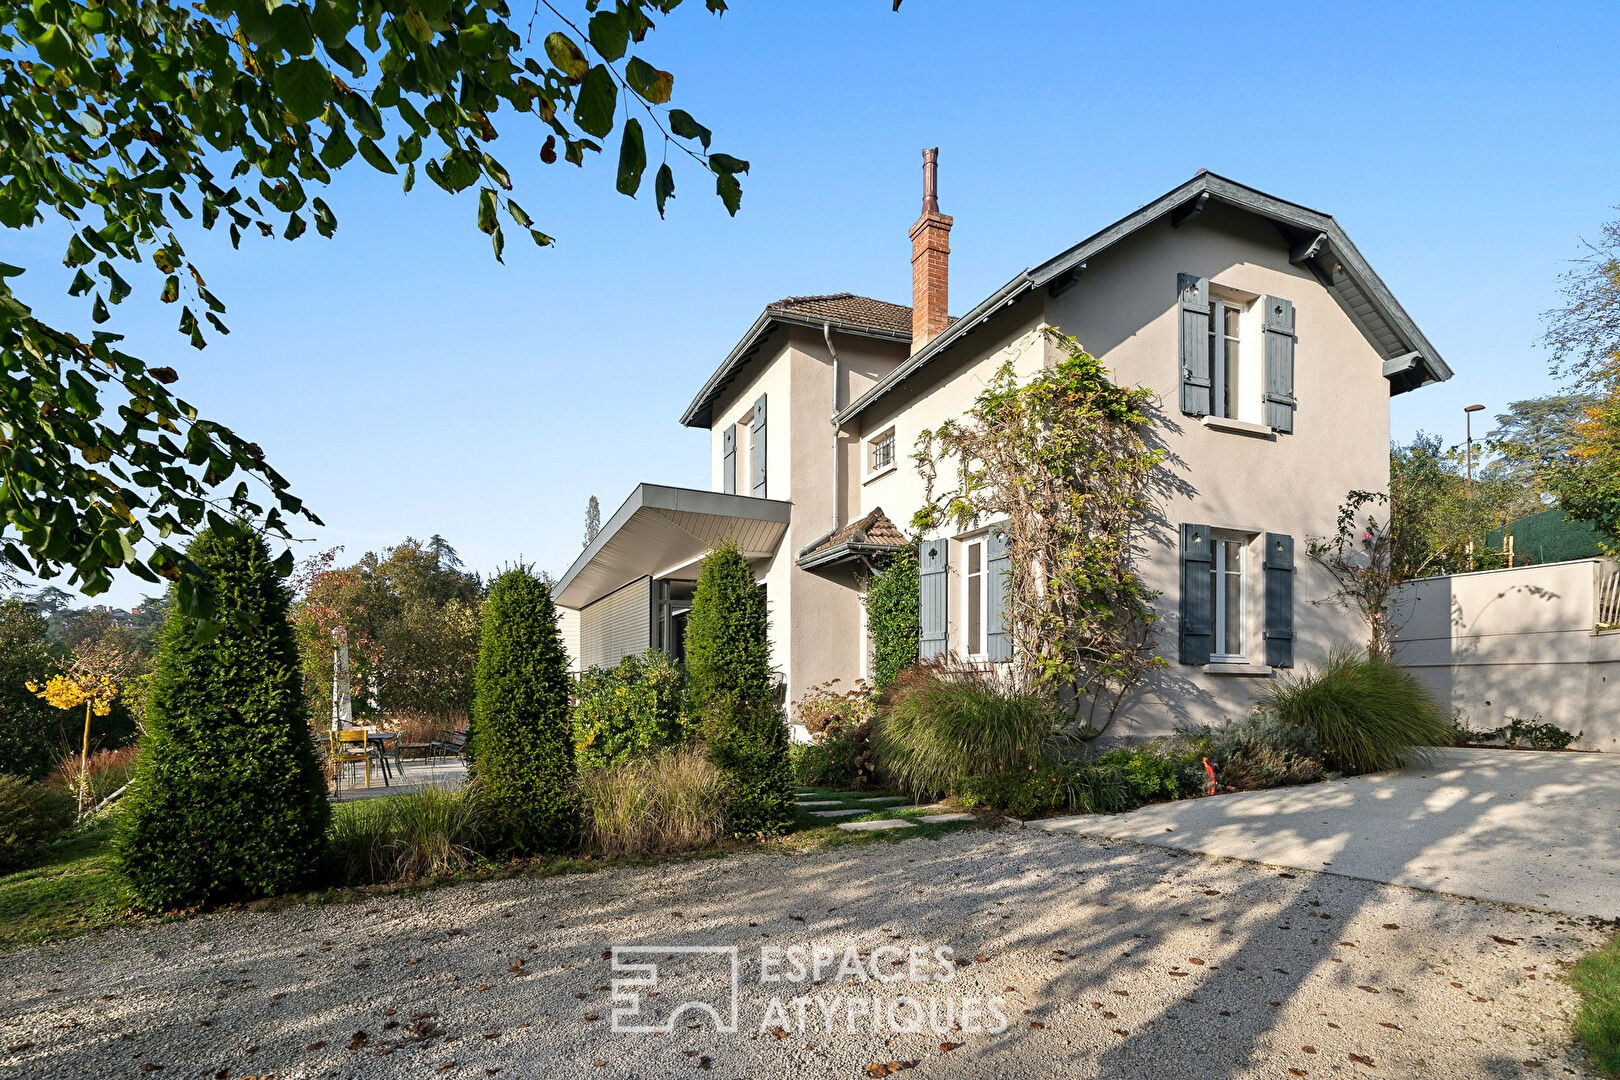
1067,459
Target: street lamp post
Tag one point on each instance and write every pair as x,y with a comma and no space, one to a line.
1468,420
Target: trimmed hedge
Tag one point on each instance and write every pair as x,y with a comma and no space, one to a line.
519,740
227,801
730,696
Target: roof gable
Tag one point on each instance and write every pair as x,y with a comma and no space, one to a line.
845,312
1316,242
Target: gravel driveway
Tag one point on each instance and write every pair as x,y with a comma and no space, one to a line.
1111,959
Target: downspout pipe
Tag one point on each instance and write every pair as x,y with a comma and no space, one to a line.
837,429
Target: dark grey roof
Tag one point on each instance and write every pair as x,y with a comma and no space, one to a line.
839,311
1318,243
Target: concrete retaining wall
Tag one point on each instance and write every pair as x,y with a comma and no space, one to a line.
1518,643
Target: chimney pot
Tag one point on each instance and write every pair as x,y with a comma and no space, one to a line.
930,261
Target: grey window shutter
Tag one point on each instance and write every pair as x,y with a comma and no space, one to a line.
1279,569
932,563
1197,629
1196,393
728,459
758,429
1279,364
997,564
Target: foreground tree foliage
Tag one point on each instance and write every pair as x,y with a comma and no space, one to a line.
520,738
1067,459
731,696
227,802
127,123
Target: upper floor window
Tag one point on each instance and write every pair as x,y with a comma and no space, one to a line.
880,453
1226,360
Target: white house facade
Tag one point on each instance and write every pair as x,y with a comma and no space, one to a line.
1273,349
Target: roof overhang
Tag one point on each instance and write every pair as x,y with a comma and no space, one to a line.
851,552
662,527
700,413
1315,241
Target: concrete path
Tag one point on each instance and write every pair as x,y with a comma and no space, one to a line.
1538,829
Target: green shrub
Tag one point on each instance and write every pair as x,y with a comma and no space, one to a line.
893,617
840,752
627,710
411,837
1366,713
227,801
31,816
943,721
1151,776
1260,752
1082,788
1521,733
731,698
521,746
674,800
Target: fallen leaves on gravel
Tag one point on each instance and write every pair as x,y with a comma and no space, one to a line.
888,1068
946,1048
1362,1059
1503,940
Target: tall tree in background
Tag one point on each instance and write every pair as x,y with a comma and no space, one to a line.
593,520
1434,515
127,123
1584,336
1532,443
410,615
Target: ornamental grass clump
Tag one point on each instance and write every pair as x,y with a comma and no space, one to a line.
941,722
412,837
1365,713
227,801
731,695
521,747
669,801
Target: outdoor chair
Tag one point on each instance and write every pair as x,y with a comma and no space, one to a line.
352,746
452,742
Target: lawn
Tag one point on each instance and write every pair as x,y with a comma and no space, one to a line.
74,888
1597,1024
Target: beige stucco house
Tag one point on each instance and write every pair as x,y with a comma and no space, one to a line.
1273,348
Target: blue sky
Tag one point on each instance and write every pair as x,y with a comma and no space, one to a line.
407,384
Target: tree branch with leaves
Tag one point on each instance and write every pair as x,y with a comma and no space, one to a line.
132,122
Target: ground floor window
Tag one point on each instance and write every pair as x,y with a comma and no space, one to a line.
974,600
1227,588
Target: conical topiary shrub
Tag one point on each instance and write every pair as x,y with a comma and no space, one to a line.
731,697
520,740
227,802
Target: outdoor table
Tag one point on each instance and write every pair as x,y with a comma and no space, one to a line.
381,739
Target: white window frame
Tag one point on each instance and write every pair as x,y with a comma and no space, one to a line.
1218,607
873,469
1220,368
976,585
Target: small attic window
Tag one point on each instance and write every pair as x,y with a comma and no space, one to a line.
880,453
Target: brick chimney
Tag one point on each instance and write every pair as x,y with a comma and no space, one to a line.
930,258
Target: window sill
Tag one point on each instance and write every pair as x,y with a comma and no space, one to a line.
880,474
1239,427
1253,671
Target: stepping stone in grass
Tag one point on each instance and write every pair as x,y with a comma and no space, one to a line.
884,799
837,813
819,802
939,819
876,826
